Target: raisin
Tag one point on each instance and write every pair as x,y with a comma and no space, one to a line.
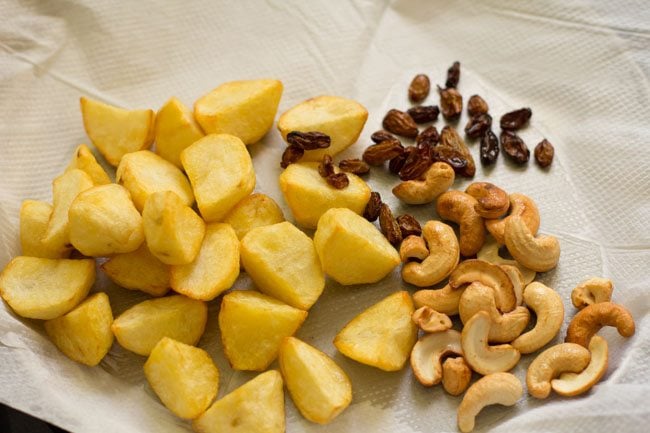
371,212
489,148
477,125
389,226
419,88
453,75
396,164
429,136
379,153
354,166
449,137
400,123
381,135
451,103
415,165
309,140
408,226
326,167
514,120
451,156
477,105
513,146
338,180
544,153
424,113
290,155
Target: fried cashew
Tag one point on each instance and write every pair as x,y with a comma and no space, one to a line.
571,384
413,247
436,180
458,206
442,259
540,254
490,253
558,359
427,354
456,375
430,320
592,291
549,309
517,281
520,205
492,201
485,359
443,300
490,275
588,321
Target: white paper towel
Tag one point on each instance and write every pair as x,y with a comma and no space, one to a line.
583,68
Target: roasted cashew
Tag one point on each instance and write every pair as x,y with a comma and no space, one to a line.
491,276
590,319
436,180
413,247
443,300
485,359
549,309
492,201
540,254
505,328
456,375
517,281
592,291
458,206
427,354
429,320
570,384
521,205
490,253
561,358
497,388
442,259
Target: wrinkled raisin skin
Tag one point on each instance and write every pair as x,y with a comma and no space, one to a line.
451,103
354,166
453,75
379,153
309,140
338,180
513,146
371,212
400,123
477,125
430,136
476,105
424,113
489,148
291,155
516,119
544,153
389,226
381,135
326,167
408,226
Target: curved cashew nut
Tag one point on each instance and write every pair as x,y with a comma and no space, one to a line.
491,276
492,201
429,320
590,319
521,205
551,363
458,207
413,247
547,305
540,254
497,388
505,328
426,356
570,384
456,375
443,300
592,291
436,180
490,253
442,259
517,282
485,359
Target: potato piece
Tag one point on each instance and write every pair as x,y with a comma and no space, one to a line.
221,172
139,270
84,160
381,336
103,221
142,326
340,118
34,219
253,326
215,268
283,263
39,288
65,189
245,109
183,377
319,388
255,210
144,173
351,249
84,334
115,131
175,130
173,231
255,407
309,195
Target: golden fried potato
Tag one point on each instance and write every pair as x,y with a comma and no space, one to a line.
84,160
175,130
34,219
255,210
139,270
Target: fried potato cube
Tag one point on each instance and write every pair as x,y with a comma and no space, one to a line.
115,131
34,219
383,335
221,172
84,160
173,231
253,326
175,130
84,334
144,173
255,210
183,377
245,109
39,288
255,407
319,388
215,268
103,221
139,270
283,263
309,195
351,249
142,326
340,118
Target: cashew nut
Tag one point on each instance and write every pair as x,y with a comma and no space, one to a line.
413,247
491,276
564,357
436,180
570,384
426,356
517,281
540,254
485,359
549,309
443,300
442,259
490,253
429,320
458,206
521,205
492,201
590,319
456,375
505,328
592,291
497,388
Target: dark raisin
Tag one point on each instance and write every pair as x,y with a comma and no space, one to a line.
290,155
424,113
309,140
513,146
371,212
544,153
355,166
429,136
381,135
379,153
400,123
389,226
451,156
326,167
449,137
453,75
338,180
514,120
451,103
415,165
489,148
396,164
408,225
419,88
477,125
